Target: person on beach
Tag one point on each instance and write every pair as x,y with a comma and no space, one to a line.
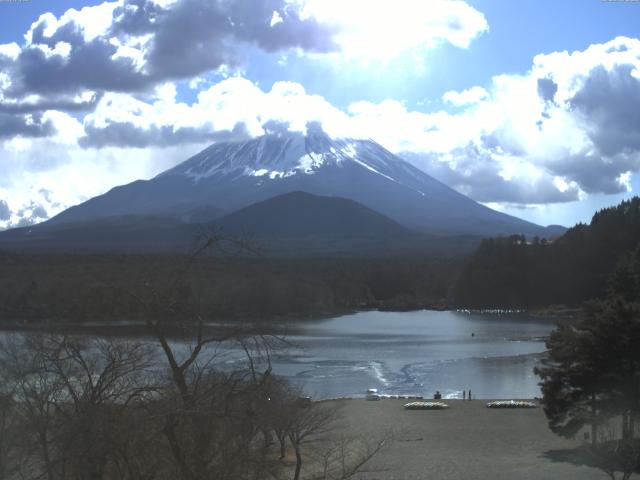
469,394
464,394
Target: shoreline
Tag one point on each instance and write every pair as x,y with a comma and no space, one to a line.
275,324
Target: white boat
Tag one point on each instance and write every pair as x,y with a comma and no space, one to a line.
372,394
511,404
426,406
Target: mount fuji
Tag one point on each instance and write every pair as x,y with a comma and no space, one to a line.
298,190
229,176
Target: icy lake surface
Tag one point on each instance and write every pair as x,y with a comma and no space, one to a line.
493,355
419,352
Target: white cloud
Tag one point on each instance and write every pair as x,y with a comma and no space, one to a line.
466,97
10,50
276,18
123,46
383,29
571,122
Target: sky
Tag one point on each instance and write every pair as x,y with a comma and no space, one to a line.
529,107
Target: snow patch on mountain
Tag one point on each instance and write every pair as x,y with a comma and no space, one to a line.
276,157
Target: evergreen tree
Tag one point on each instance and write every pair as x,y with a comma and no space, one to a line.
592,374
573,394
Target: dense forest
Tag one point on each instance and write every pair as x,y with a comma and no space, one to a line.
519,273
78,288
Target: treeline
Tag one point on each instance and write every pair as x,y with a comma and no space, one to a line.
515,273
61,288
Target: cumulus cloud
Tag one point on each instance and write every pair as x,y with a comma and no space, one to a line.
193,36
567,128
64,103
609,99
32,213
25,215
31,125
5,212
488,178
466,97
134,45
233,109
131,45
124,134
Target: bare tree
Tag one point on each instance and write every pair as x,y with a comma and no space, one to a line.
209,420
612,454
100,409
344,457
306,424
9,430
71,396
316,433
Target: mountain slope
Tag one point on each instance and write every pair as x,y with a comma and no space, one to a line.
126,232
228,176
300,214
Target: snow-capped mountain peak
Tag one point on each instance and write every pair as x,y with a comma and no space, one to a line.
276,156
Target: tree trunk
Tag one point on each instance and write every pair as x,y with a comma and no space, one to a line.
176,450
594,427
283,447
296,475
267,437
45,453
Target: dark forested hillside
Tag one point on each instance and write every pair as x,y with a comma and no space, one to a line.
512,272
78,288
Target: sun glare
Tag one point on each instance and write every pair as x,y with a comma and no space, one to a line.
376,29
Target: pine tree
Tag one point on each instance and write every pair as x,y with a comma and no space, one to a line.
592,374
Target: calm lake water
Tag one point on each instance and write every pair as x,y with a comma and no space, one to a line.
417,353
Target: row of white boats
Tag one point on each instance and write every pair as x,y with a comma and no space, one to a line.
373,394
495,404
511,404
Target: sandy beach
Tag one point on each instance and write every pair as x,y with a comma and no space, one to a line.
466,441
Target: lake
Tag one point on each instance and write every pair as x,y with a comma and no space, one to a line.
493,355
417,353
